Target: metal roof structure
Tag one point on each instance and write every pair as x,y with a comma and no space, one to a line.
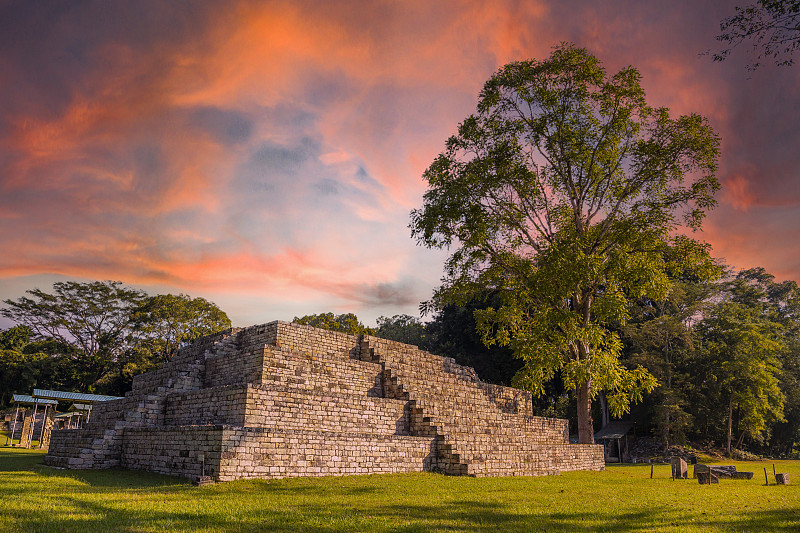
614,430
79,407
73,396
25,399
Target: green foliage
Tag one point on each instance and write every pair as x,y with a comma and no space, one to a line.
658,337
345,323
402,328
93,316
767,411
453,332
726,355
15,338
772,26
164,322
94,337
564,194
18,372
744,349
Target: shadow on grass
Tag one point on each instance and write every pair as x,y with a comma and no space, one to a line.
26,462
121,500
470,516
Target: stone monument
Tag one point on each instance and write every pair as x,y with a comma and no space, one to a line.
283,399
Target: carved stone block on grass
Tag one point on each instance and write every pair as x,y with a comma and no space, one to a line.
679,469
706,478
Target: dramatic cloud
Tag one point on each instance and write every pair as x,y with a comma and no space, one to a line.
266,154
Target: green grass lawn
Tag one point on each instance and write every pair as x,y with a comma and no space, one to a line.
623,498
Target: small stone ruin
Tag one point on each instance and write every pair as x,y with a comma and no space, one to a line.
283,399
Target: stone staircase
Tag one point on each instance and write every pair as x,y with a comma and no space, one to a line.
476,435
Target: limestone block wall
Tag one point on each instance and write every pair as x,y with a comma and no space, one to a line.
288,408
91,447
216,405
321,372
229,366
538,429
479,435
173,450
508,399
307,339
184,371
242,453
133,410
263,452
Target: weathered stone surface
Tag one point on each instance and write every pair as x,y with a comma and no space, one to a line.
679,469
782,479
706,478
726,471
281,399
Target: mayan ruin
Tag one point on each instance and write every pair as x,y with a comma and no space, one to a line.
282,399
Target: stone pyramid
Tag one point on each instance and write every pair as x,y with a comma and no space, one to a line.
283,399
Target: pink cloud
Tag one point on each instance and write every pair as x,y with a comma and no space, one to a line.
278,147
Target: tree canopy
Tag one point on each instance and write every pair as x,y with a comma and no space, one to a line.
94,316
743,349
165,321
402,328
345,322
772,26
565,193
96,336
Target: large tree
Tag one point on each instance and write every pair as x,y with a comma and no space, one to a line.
108,332
771,26
565,193
164,322
94,317
659,337
743,348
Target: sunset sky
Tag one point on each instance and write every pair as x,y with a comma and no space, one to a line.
266,155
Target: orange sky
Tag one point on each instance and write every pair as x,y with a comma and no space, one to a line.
265,155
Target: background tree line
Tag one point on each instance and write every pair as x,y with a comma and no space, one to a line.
95,337
726,355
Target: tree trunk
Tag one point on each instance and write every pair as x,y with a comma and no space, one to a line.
730,424
604,410
668,395
585,426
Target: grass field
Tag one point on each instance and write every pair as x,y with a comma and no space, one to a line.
623,498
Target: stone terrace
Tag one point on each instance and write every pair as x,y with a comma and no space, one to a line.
283,399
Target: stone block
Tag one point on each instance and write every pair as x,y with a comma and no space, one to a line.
706,478
679,469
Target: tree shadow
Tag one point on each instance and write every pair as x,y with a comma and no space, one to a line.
121,500
468,516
